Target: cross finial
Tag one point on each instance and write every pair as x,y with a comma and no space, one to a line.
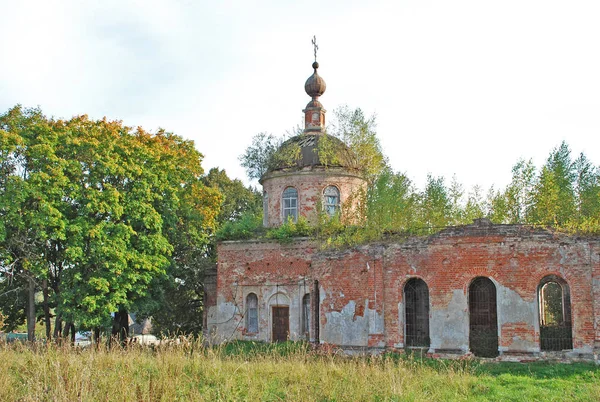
316,47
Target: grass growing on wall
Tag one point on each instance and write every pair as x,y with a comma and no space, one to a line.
246,371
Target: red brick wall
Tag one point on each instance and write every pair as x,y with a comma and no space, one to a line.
310,184
361,289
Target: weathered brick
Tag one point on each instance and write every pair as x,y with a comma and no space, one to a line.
361,289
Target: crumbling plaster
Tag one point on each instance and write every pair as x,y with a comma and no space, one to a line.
361,288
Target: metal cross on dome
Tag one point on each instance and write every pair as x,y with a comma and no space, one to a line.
314,42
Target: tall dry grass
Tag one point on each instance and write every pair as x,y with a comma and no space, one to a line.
191,372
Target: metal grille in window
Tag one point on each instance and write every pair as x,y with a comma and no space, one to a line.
252,313
416,302
332,200
306,315
483,321
290,204
556,333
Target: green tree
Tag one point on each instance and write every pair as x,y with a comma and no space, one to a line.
587,190
359,134
391,203
31,189
475,206
182,295
256,159
435,204
497,206
237,198
100,212
519,193
554,193
456,193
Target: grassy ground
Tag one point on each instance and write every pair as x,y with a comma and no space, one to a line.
253,372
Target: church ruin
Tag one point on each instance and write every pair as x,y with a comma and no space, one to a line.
509,291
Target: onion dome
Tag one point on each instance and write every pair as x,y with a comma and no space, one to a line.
314,112
315,85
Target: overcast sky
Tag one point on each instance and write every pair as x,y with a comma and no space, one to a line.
459,87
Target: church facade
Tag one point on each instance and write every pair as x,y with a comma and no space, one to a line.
503,291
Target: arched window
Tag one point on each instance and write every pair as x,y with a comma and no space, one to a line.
483,318
555,314
265,209
331,200
290,204
306,315
416,308
252,313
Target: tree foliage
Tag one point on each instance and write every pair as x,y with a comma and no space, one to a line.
359,134
182,295
258,156
98,211
563,194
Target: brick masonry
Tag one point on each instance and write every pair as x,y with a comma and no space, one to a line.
310,183
360,303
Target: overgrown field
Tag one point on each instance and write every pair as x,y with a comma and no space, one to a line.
274,373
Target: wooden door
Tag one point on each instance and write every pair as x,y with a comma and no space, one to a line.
281,323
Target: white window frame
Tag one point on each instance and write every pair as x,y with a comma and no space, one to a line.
331,209
291,209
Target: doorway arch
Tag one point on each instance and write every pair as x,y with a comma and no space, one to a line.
416,313
483,318
554,304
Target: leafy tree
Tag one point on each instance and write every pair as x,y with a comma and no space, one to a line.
237,198
31,188
391,203
257,157
182,295
475,207
435,204
96,213
497,206
359,134
456,193
554,193
519,193
587,190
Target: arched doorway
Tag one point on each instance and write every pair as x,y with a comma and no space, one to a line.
416,313
483,318
280,317
554,303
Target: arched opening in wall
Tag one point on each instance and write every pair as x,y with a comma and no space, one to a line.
483,318
290,204
280,317
305,327
554,301
265,209
331,200
416,312
252,313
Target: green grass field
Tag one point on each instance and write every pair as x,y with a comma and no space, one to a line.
255,372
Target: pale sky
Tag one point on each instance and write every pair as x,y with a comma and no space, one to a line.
459,87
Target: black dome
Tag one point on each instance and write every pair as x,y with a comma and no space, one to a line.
309,150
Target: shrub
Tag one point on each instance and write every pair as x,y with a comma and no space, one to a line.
248,226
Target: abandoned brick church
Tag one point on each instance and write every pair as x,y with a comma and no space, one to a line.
506,291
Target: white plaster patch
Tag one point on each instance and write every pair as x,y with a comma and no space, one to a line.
449,327
344,328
